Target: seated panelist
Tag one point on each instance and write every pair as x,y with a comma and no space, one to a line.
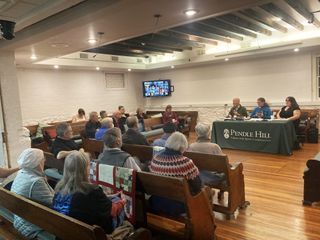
262,111
237,110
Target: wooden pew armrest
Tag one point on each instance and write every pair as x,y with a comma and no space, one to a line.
237,166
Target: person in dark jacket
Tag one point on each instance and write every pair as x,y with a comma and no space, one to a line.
92,125
133,136
112,153
76,197
63,143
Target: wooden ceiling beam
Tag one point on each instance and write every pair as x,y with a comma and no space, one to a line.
276,11
174,39
229,27
134,49
301,9
157,45
255,15
188,29
237,21
153,39
208,28
146,47
114,52
188,37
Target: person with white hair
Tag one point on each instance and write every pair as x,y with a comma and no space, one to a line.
112,153
106,123
132,135
203,143
237,110
31,183
171,162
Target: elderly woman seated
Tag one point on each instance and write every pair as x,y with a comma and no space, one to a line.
171,162
106,124
204,145
31,183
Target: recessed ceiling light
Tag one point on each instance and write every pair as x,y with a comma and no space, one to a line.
129,69
92,41
56,66
143,43
172,66
97,68
296,50
190,12
226,59
33,57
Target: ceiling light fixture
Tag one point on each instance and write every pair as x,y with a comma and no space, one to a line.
226,59
172,66
143,43
33,57
97,68
92,41
190,12
56,66
129,69
296,50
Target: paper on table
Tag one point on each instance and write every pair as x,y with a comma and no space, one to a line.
106,173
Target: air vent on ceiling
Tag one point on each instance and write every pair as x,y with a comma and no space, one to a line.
114,59
84,55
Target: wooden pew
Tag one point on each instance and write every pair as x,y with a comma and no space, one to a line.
62,226
234,183
92,146
199,222
234,180
312,181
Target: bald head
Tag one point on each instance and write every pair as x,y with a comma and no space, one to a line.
236,102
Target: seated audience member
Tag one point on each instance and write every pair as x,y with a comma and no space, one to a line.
80,117
31,183
63,143
132,135
169,115
238,110
106,124
103,114
112,153
92,125
263,110
141,116
204,145
171,162
168,129
119,121
76,197
291,111
122,110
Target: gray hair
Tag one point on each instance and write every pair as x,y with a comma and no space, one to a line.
107,122
111,136
202,130
132,122
177,141
62,128
75,174
92,114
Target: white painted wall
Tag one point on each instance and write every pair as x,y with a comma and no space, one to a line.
273,78
47,94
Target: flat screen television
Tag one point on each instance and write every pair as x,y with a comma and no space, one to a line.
156,88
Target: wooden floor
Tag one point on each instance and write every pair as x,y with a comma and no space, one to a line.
274,187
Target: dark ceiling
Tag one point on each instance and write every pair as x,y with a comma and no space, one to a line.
247,23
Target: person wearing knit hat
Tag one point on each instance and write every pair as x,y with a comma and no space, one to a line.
31,183
168,129
171,162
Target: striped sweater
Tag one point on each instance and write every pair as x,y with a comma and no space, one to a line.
173,164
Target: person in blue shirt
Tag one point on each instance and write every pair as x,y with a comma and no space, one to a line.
106,124
262,111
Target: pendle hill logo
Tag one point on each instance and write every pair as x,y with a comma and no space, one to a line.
226,133
246,135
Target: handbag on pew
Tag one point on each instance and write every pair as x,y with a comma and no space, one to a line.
122,232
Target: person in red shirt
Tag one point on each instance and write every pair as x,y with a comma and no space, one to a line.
170,116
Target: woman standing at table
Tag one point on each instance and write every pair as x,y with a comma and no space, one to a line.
263,110
291,111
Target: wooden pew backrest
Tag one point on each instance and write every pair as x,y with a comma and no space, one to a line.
51,221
